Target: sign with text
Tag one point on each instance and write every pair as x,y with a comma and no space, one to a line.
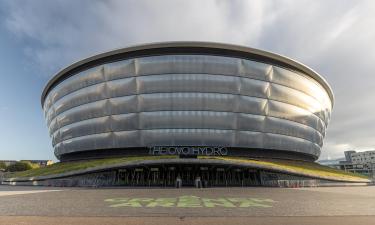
187,150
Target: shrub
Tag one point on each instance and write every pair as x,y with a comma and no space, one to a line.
20,166
2,166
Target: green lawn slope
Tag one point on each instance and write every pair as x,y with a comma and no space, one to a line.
310,169
64,167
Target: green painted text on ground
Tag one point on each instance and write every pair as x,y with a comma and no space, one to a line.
190,202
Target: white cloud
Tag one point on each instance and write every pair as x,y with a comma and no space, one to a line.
64,31
334,37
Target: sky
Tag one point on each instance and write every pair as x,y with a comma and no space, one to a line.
40,37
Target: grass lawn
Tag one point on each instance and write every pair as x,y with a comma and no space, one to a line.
293,167
300,167
63,167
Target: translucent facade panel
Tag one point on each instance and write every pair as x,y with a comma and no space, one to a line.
51,115
188,83
59,149
187,100
83,96
297,98
256,70
290,128
187,137
256,88
81,80
251,105
187,119
47,104
302,83
83,112
120,69
322,127
249,139
277,141
86,127
250,122
89,142
187,64
127,139
122,87
125,122
56,138
52,125
121,105
294,113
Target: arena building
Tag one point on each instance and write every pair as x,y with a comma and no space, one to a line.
187,99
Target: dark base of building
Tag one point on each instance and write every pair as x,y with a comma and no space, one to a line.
188,176
174,172
239,152
183,176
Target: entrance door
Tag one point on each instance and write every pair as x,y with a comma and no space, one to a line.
187,176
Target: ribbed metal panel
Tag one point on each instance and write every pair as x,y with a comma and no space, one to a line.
184,100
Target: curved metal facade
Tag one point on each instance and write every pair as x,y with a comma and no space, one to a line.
187,100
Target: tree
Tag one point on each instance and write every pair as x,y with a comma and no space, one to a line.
19,166
3,166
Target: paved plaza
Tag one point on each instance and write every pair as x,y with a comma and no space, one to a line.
328,205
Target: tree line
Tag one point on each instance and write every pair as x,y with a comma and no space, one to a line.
18,166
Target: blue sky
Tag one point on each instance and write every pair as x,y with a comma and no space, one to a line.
40,37
22,129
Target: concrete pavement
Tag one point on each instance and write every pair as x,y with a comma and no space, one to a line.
328,205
